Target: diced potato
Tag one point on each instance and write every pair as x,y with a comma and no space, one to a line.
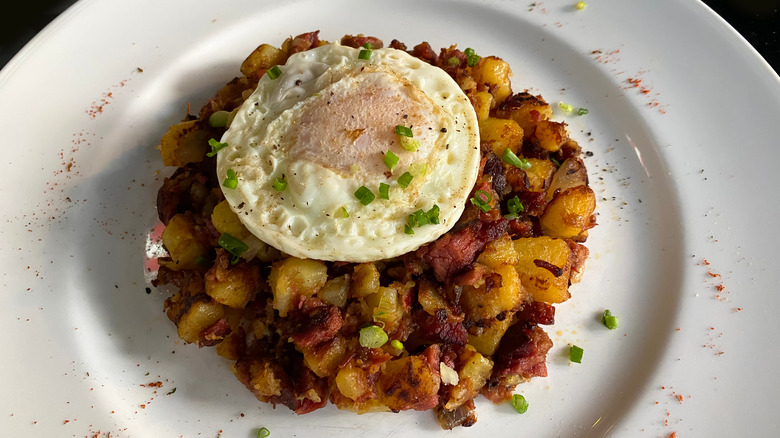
500,134
232,347
430,299
198,317
551,134
225,220
499,293
494,72
353,383
568,215
262,58
487,339
499,252
324,359
525,109
185,142
179,238
408,383
537,256
293,278
232,285
335,291
483,103
471,377
365,280
539,174
264,381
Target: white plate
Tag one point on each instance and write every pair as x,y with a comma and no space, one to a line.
682,126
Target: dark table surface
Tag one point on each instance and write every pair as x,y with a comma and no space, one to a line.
757,20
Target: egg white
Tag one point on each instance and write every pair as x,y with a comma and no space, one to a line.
324,126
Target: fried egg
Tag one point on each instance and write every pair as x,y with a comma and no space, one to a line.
305,142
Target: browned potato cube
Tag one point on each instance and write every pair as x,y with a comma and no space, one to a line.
486,340
551,135
292,278
185,142
232,285
261,59
324,359
499,293
525,109
365,280
544,268
483,102
539,174
568,215
500,134
408,383
472,376
335,291
499,252
494,73
225,220
199,316
181,241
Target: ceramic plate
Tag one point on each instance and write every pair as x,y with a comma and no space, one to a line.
681,126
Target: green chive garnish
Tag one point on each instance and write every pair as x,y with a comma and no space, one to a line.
280,184
365,195
509,157
215,147
404,131
575,354
372,336
263,433
405,179
519,403
233,245
565,106
398,345
482,200
433,214
344,212
231,181
384,191
391,160
610,320
274,72
582,111
515,207
365,54
219,119
409,143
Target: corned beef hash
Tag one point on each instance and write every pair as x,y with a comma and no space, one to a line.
384,228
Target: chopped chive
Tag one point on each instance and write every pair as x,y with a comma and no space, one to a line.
418,169
231,181
365,54
263,433
515,207
408,229
556,162
405,179
404,131
575,354
280,184
410,144
274,72
433,214
398,345
519,403
565,106
364,195
384,191
610,320
219,119
482,200
372,336
368,46
344,212
509,157
582,111
580,5
453,61
391,160
420,218
215,147
233,245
